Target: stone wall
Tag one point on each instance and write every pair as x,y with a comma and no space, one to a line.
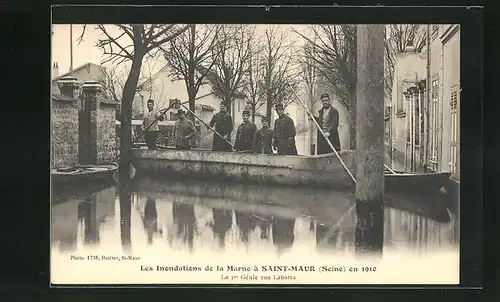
83,125
106,134
64,132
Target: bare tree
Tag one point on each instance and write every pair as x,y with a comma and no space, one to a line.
398,37
253,81
189,57
114,81
132,42
309,77
231,56
279,77
334,55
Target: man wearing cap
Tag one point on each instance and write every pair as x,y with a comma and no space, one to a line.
328,119
284,133
263,139
245,134
224,126
150,125
184,131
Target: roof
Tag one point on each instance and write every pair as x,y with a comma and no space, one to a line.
207,107
78,68
211,77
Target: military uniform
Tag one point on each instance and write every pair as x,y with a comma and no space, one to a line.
284,134
263,140
224,126
184,131
245,135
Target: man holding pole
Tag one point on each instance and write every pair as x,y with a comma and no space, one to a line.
328,119
224,126
150,125
284,133
183,132
245,134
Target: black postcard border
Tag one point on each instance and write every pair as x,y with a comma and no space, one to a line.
34,256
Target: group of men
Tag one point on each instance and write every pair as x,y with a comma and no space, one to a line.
248,138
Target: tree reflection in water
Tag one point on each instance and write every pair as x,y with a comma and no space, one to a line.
150,219
223,220
246,223
185,220
125,197
282,230
87,212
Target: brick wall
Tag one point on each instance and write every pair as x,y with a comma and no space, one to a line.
106,134
64,132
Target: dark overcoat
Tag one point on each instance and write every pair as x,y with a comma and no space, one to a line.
223,123
244,137
284,135
263,141
332,129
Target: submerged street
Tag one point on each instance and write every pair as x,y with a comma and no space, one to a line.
239,220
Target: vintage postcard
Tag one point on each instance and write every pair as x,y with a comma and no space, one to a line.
262,154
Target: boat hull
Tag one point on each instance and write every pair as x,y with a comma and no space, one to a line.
322,170
88,175
317,170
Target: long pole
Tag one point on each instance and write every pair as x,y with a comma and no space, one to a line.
147,128
207,125
324,135
71,48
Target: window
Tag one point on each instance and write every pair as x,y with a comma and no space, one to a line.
416,119
400,106
433,146
454,131
173,116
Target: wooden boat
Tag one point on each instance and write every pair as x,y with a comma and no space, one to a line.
313,170
83,174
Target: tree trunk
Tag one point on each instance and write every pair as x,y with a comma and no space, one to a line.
370,132
253,113
126,118
269,107
192,103
352,115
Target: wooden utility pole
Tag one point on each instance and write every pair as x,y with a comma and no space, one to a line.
370,139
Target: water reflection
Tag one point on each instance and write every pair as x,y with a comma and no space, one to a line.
125,200
283,233
150,219
246,223
196,217
222,223
185,222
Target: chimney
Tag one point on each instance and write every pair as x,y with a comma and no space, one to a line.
55,70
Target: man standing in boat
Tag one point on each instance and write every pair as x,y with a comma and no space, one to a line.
284,133
245,134
263,139
150,125
184,131
224,126
328,119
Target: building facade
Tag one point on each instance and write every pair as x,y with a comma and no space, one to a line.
424,132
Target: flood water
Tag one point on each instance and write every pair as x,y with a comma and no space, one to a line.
238,222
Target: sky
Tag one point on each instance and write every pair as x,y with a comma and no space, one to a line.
86,51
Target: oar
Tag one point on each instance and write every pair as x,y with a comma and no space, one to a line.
208,126
324,135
